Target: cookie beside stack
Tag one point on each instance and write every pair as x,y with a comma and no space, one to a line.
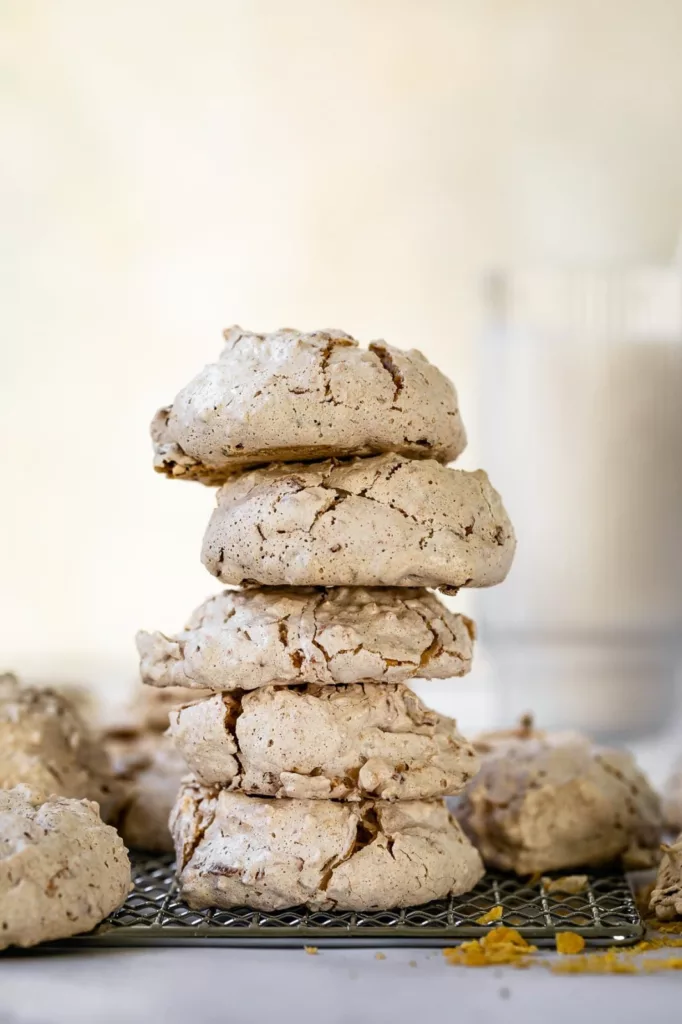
335,511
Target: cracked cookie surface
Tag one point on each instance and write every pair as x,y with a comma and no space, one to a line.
236,850
62,870
243,639
45,745
383,521
325,742
548,802
290,396
666,897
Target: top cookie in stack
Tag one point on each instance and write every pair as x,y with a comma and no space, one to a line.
335,511
293,397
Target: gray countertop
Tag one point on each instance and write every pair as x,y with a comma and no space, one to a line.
335,987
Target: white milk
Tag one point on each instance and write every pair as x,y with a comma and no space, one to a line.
582,433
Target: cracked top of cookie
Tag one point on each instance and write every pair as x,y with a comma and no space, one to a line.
289,396
243,639
386,521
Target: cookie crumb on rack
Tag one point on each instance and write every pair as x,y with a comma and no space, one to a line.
492,915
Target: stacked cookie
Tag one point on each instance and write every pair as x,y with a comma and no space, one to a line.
335,512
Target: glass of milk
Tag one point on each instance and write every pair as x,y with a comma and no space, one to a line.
581,431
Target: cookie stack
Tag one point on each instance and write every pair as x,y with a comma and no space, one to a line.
335,512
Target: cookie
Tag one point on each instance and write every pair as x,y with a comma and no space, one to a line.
150,767
242,639
290,397
325,742
666,897
62,870
45,745
549,802
383,521
672,799
237,850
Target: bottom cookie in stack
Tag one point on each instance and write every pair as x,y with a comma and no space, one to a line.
236,850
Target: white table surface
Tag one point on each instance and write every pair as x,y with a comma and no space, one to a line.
242,986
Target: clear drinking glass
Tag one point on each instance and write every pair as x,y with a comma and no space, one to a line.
581,431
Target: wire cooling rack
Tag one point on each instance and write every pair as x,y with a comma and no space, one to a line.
605,913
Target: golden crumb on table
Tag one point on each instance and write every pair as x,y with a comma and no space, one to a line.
671,963
379,956
311,950
492,915
569,942
500,946
667,927
594,963
571,885
413,963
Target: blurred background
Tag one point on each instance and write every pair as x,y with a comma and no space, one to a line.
497,184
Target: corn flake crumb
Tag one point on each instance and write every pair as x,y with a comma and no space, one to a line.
379,956
594,963
568,943
571,885
500,946
492,915
671,963
311,950
667,927
413,963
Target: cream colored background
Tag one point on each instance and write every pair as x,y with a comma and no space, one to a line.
170,167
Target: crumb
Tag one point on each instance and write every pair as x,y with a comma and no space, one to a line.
379,956
594,963
413,963
492,915
569,942
534,880
311,950
667,927
569,884
671,963
500,946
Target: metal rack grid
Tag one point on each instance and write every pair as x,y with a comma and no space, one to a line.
153,915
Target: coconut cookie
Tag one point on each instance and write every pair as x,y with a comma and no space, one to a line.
242,639
289,397
45,745
385,521
62,870
328,743
151,769
236,850
550,802
666,898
